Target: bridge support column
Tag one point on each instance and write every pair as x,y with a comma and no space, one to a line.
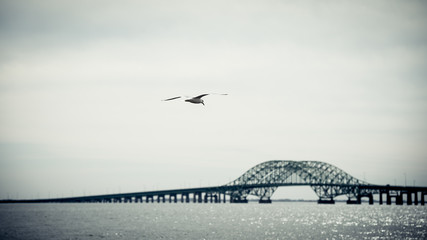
397,195
209,198
408,197
326,201
263,200
238,199
161,198
149,198
174,198
422,198
350,201
198,197
185,197
399,199
416,198
388,198
215,198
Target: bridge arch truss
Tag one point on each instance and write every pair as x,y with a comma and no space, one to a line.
326,180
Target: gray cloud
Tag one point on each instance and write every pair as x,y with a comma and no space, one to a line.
81,82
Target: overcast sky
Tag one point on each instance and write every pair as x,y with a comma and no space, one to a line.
81,84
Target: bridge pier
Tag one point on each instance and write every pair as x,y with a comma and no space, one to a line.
197,197
410,200
263,200
210,197
369,195
161,198
399,200
185,197
408,197
350,201
149,198
172,196
238,199
422,198
326,201
388,198
416,198
398,197
381,196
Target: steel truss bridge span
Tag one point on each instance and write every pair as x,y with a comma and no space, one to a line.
326,180
262,181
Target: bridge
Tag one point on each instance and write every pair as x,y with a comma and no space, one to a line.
262,180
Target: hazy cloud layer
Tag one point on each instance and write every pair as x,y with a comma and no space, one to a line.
81,84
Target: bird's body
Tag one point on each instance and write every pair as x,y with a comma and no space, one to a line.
195,100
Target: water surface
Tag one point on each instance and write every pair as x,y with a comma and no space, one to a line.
211,221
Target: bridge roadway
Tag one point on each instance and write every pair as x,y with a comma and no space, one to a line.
218,194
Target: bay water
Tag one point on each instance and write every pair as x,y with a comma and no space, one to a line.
279,220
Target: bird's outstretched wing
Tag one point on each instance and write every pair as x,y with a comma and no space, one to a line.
200,96
172,98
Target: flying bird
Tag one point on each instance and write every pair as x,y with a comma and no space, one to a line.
195,100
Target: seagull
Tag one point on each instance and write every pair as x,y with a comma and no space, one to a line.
195,100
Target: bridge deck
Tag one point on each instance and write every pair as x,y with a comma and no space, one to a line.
224,189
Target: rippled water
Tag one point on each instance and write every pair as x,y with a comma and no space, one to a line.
211,221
